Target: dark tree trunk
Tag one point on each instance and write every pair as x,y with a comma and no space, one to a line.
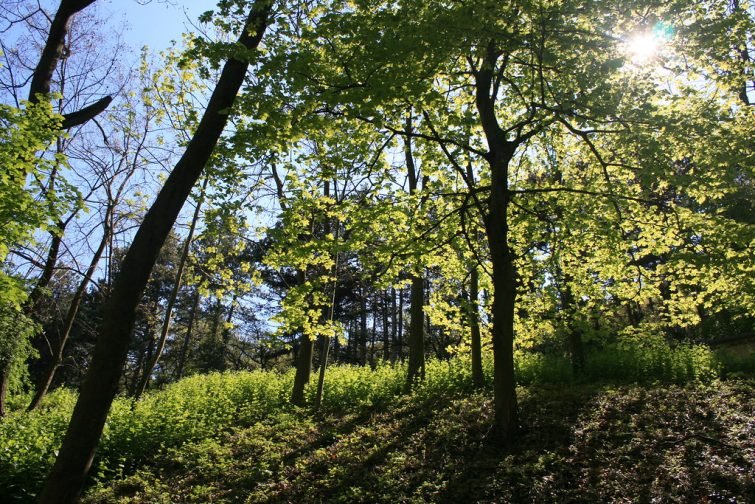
386,334
303,360
401,325
73,310
303,370
396,348
41,80
363,328
4,372
416,367
187,337
500,153
478,379
66,479
35,297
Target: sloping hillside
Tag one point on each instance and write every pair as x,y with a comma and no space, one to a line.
578,444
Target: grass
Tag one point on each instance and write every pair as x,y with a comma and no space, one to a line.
637,425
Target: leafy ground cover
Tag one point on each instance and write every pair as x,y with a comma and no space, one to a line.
674,429
579,444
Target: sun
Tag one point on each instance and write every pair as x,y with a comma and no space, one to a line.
643,47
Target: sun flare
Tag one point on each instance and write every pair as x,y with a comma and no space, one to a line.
646,46
643,47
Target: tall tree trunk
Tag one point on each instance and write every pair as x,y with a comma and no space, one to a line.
324,350
4,372
187,337
226,333
395,346
363,328
303,360
373,336
66,479
473,312
401,325
73,310
386,334
35,297
173,295
500,153
330,309
303,370
416,367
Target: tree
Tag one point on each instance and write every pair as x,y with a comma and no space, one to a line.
489,79
72,464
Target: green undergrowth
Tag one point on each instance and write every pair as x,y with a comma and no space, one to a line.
234,437
586,443
651,361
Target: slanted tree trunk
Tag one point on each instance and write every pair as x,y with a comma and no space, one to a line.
52,52
330,309
66,479
73,310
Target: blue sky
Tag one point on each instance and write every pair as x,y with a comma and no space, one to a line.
155,23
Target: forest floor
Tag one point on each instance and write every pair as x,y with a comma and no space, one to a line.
578,443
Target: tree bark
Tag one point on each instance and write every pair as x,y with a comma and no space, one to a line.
386,334
400,345
66,479
500,153
473,311
395,346
303,360
35,297
416,367
73,310
41,80
324,350
187,338
4,372
363,327
303,370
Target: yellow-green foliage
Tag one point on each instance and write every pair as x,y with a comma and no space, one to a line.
195,408
349,387
202,409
